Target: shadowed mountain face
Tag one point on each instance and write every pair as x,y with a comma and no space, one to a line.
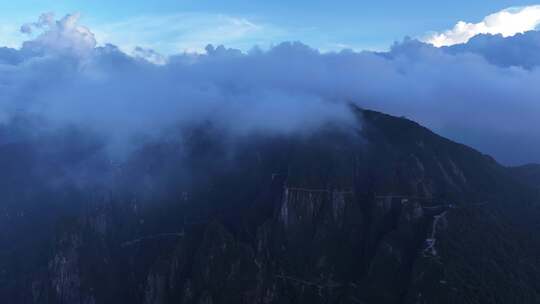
385,212
528,174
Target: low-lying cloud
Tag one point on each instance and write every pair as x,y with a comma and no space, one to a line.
480,93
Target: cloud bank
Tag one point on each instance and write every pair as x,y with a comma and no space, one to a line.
507,22
483,93
63,78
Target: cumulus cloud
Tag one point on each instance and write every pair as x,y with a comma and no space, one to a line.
149,55
470,93
507,22
61,36
44,21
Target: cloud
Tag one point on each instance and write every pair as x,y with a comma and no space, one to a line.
64,35
64,79
476,93
521,50
44,21
507,22
149,55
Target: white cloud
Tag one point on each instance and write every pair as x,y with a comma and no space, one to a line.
44,21
508,22
64,35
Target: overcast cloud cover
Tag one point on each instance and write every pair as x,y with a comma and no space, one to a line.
484,93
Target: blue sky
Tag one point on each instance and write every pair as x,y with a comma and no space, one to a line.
175,25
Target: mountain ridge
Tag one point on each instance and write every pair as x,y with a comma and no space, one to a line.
388,212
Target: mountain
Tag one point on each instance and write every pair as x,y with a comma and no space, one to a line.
382,212
528,174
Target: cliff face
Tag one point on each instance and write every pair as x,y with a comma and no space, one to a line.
386,213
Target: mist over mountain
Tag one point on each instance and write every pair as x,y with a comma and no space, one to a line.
61,77
388,212
279,175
